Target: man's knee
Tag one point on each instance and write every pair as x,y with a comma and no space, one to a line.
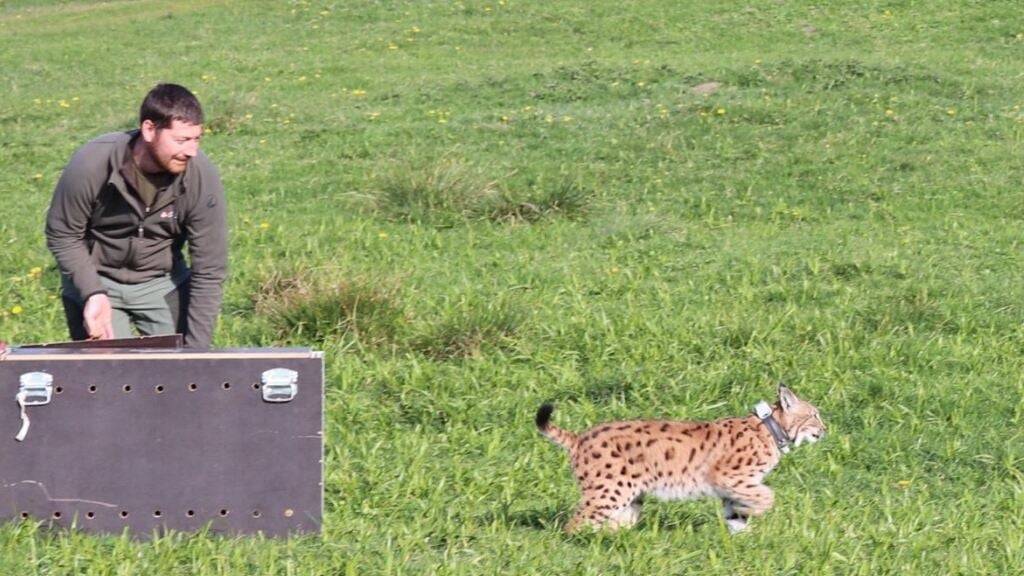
74,314
177,303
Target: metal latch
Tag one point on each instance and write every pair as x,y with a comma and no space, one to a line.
36,388
280,385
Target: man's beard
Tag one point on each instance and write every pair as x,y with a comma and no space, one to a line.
170,165
175,166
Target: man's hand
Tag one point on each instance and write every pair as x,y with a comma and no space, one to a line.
98,318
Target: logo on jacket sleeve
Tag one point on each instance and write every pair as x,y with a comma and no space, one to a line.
169,213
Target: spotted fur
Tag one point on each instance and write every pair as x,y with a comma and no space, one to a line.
616,464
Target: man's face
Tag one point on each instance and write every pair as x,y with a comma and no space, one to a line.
172,147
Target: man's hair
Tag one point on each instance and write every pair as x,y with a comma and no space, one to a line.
166,103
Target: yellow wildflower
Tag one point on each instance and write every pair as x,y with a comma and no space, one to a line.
264,225
720,111
17,309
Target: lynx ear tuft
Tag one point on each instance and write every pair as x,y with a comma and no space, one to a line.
787,399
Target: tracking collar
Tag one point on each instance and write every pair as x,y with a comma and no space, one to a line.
764,412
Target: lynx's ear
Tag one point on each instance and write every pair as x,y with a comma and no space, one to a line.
787,399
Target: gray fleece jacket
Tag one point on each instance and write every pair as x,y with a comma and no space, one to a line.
97,226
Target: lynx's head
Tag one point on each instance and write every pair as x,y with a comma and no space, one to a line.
799,419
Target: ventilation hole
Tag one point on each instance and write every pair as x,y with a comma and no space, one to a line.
256,514
92,389
256,386
127,387
59,389
56,515
124,513
90,515
157,514
223,512
192,386
226,385
190,513
160,389
24,515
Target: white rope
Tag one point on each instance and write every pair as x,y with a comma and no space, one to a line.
24,418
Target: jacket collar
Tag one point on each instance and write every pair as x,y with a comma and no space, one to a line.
121,176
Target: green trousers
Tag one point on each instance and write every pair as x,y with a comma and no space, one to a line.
152,308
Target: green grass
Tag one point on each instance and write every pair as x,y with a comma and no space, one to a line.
525,201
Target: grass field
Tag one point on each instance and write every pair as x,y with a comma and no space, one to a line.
477,206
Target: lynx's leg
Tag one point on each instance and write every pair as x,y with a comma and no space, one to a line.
605,510
742,501
734,521
588,514
625,517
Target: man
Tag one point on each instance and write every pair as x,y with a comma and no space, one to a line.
123,209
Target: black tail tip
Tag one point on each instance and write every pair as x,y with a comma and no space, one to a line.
544,416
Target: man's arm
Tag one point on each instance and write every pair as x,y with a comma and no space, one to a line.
207,235
66,222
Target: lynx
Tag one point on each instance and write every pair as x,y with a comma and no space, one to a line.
617,463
